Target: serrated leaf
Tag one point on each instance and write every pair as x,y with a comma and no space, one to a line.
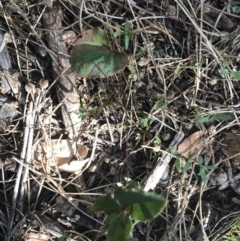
120,229
106,204
93,58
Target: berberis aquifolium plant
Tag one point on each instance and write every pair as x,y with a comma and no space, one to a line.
92,56
125,209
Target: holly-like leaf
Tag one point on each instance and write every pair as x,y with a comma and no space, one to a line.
124,206
93,58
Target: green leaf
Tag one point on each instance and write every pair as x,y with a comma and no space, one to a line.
131,69
236,9
127,34
148,208
223,72
231,36
141,52
223,117
186,166
140,205
123,207
157,141
106,204
225,63
64,237
200,160
120,229
93,58
82,115
178,164
177,68
158,105
210,167
202,174
200,63
235,75
200,120
144,122
137,137
118,32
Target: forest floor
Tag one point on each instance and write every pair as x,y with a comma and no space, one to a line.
113,131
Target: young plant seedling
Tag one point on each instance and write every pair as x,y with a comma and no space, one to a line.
125,208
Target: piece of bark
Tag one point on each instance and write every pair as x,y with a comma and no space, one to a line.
65,86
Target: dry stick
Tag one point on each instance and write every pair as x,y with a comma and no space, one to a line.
29,146
19,173
163,163
27,157
65,86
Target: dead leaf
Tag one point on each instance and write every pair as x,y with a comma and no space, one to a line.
231,147
191,145
66,154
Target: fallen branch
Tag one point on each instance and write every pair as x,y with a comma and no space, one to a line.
163,162
65,85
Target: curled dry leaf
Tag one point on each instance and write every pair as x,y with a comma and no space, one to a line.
66,154
231,147
191,145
